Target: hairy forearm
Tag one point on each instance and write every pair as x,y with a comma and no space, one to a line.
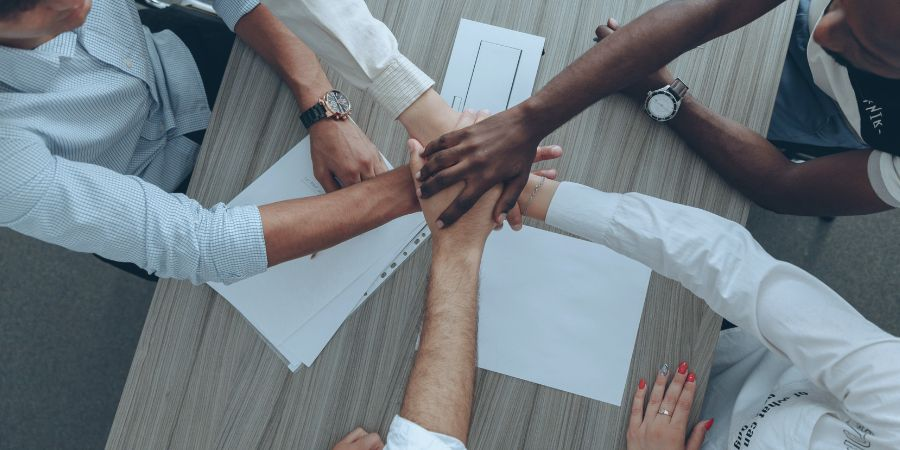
294,62
644,45
441,386
296,228
832,185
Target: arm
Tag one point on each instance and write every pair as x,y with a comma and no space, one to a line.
788,310
89,208
828,186
500,149
441,385
437,406
342,154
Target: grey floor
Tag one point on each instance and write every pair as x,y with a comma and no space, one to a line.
69,324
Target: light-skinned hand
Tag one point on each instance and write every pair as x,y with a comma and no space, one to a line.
341,151
360,439
649,429
473,228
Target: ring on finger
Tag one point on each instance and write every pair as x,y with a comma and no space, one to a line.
664,412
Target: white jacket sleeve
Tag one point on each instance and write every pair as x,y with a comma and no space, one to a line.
361,48
787,309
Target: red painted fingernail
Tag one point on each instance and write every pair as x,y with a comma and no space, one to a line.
709,424
682,368
642,384
691,377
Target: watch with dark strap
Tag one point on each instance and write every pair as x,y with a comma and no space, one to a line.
662,104
333,105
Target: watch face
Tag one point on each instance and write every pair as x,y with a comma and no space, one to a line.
661,105
337,102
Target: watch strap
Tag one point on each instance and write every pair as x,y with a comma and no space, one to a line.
313,115
678,88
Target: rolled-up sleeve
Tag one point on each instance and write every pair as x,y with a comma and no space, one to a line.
89,208
884,174
407,435
365,52
232,10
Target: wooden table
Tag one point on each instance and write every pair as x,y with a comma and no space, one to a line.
202,377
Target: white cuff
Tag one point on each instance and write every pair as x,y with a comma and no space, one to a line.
407,435
884,174
399,85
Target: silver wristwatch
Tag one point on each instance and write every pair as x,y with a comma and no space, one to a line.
663,103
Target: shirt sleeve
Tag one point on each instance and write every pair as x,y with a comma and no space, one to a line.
791,312
88,208
231,11
884,174
361,48
407,435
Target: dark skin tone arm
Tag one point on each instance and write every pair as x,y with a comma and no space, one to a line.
500,149
827,186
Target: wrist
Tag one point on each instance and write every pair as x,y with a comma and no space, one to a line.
404,189
309,92
464,253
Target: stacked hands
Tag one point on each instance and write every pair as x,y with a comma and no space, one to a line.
476,225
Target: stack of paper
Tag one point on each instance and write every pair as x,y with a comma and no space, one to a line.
299,305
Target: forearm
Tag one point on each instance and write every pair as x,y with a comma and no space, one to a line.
294,62
428,117
644,45
441,386
832,185
295,228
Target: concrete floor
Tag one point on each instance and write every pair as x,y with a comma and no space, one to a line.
69,324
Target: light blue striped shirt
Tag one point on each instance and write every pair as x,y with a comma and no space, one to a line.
92,127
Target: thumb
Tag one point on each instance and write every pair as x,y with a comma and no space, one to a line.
415,155
698,434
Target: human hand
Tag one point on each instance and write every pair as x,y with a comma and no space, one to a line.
474,227
339,149
496,152
359,439
637,91
656,430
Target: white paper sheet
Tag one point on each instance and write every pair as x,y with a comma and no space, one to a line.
559,311
282,300
490,67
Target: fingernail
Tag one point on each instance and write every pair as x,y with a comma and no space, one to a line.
418,193
517,227
691,377
664,370
709,424
485,112
556,148
502,217
439,224
682,368
498,227
613,22
419,175
642,384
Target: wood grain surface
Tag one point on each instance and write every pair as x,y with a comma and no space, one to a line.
203,379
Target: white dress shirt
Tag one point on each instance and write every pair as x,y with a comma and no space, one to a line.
361,48
803,370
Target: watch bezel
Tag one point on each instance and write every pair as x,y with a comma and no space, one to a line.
662,91
330,111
